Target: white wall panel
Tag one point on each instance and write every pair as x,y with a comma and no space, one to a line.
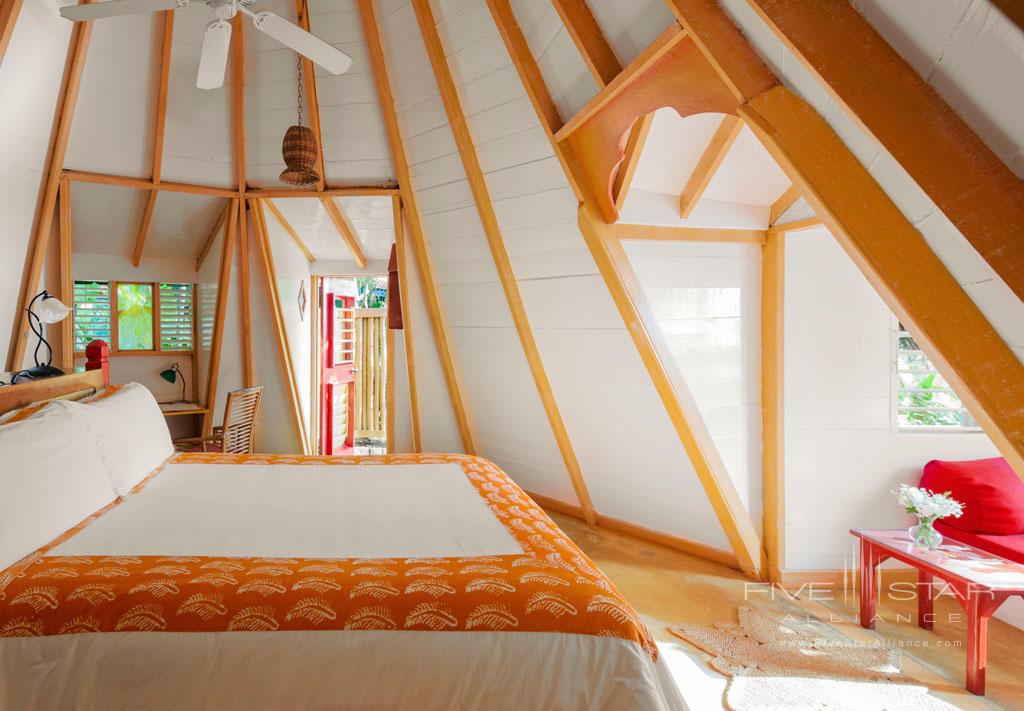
565,73
840,445
707,299
198,147
630,455
505,412
31,71
112,131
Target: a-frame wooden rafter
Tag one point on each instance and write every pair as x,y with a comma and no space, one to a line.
238,124
211,237
423,263
159,124
64,113
9,12
495,240
621,282
725,135
979,193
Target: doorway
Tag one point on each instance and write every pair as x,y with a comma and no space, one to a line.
352,365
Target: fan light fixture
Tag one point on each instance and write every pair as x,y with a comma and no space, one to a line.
214,57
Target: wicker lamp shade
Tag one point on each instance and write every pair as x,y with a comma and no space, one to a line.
300,150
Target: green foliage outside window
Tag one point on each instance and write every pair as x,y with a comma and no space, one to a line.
134,317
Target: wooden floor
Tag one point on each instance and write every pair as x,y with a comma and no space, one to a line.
669,587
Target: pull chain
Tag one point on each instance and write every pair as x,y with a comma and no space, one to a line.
299,66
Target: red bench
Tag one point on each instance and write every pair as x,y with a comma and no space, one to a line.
993,499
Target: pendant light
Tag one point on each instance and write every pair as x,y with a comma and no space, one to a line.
299,149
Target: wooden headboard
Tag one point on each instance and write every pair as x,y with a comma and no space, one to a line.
61,387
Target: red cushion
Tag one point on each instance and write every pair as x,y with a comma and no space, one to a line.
1009,547
992,495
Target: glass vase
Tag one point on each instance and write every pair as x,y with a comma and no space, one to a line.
924,534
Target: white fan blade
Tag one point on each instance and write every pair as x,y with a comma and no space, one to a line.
214,58
310,46
114,8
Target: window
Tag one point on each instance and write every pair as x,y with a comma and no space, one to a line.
135,317
923,398
176,317
92,312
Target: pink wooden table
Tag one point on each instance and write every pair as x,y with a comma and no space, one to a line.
980,582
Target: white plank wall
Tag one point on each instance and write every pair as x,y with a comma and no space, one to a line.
987,48
355,142
31,70
840,443
505,412
630,26
630,455
112,130
565,73
198,145
707,299
207,289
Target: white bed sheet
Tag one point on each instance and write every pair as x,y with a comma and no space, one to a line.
284,510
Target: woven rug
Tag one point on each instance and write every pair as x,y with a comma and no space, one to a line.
773,666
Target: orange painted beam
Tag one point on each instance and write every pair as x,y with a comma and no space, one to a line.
726,134
898,262
979,194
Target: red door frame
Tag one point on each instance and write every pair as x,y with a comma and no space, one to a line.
334,375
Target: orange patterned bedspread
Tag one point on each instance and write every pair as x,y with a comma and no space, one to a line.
551,587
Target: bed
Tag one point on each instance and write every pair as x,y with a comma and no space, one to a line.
285,582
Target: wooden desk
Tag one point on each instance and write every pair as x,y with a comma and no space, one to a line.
175,409
979,581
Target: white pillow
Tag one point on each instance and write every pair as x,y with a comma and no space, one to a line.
129,432
50,480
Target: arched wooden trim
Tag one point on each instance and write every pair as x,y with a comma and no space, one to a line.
680,77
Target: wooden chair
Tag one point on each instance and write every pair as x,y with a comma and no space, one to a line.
236,435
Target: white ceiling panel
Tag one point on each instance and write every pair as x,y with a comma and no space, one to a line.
673,147
112,129
369,216
748,174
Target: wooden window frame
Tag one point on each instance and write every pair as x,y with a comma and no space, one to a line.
157,350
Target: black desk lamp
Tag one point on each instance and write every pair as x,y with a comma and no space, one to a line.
51,310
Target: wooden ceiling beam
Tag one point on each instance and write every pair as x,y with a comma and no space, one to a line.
9,12
726,134
288,228
665,233
312,102
606,249
220,313
586,34
64,113
631,159
284,349
398,158
212,236
806,223
125,181
238,125
495,241
783,203
159,123
407,323
337,191
966,180
345,229
898,263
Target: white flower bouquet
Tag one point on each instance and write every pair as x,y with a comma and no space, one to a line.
928,507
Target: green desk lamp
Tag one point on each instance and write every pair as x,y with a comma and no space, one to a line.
171,375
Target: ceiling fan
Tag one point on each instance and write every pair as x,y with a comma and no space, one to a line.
214,57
